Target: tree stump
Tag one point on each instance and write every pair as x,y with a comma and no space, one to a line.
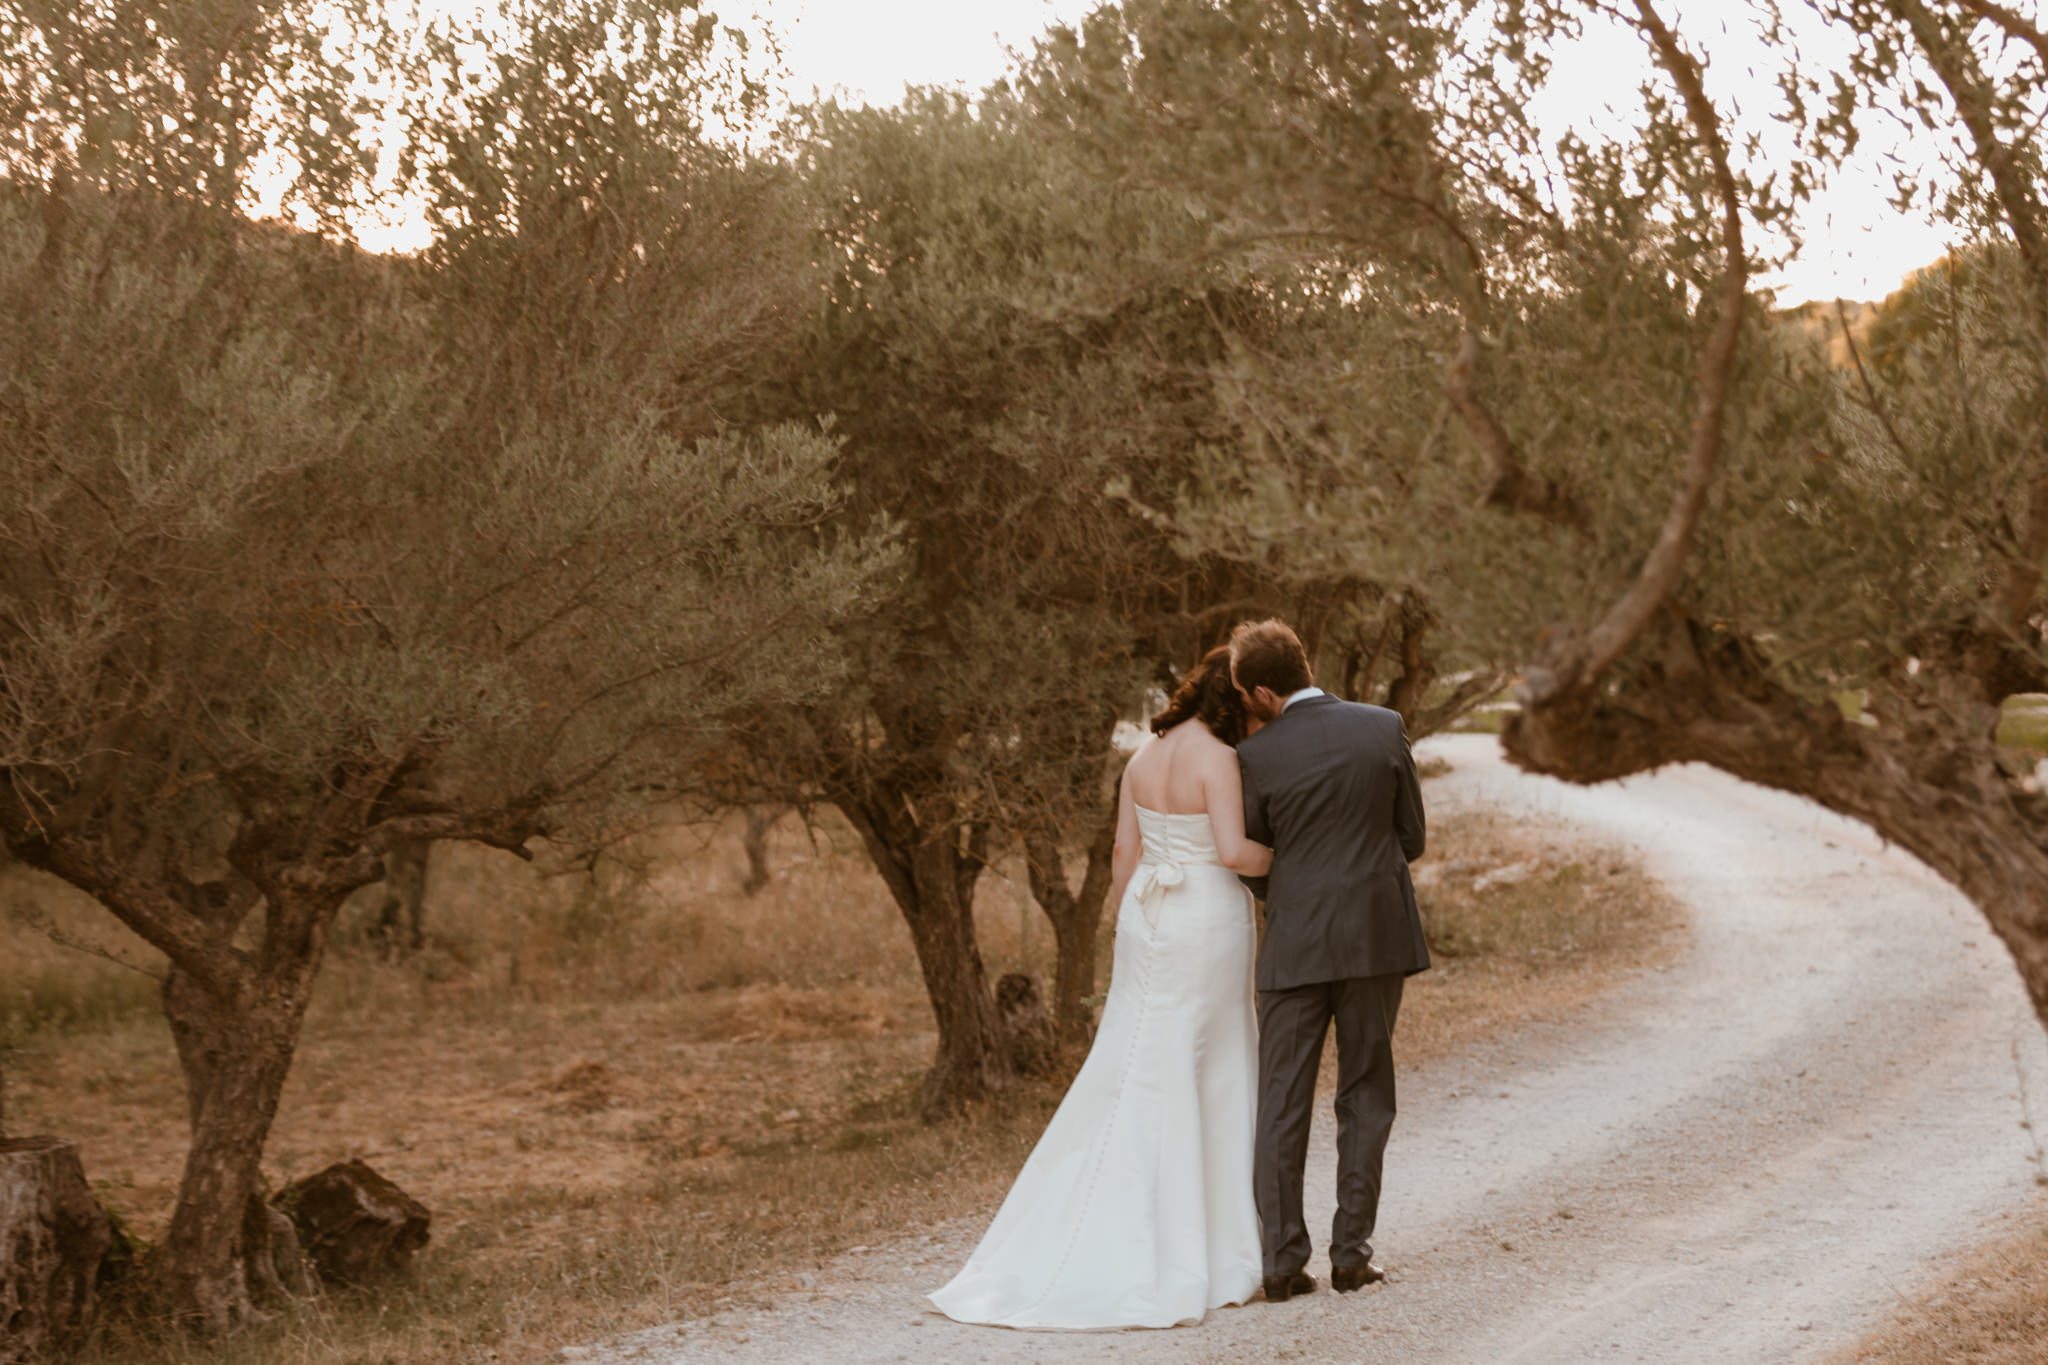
354,1223
53,1234
1027,1027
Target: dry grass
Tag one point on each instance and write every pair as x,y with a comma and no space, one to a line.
2023,722
640,1096
1991,1310
1523,928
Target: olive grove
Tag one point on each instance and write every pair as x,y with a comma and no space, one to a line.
886,459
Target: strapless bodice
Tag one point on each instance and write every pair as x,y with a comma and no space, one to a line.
1171,838
1173,844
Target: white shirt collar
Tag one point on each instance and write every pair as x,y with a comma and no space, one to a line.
1303,695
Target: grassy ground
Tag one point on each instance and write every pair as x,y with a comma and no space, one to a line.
2023,722
1483,720
1991,1310
645,1097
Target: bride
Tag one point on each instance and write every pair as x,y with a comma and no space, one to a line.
1135,1209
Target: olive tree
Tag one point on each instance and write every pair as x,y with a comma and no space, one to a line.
1694,528
1002,362
306,553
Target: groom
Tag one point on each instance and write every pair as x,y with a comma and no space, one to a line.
1331,786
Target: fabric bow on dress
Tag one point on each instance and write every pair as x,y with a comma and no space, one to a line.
1151,882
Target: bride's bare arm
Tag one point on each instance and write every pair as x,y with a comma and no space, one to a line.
1223,790
1123,856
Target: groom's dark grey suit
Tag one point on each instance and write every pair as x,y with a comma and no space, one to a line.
1331,786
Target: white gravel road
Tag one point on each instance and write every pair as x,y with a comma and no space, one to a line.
1746,1157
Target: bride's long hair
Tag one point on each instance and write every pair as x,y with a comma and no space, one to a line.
1206,693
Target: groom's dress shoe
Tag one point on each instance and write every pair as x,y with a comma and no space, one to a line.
1345,1278
1281,1288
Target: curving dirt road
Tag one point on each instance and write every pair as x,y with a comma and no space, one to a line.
1746,1157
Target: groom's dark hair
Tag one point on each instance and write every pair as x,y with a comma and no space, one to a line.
1269,654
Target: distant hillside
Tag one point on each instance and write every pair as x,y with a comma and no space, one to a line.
1823,319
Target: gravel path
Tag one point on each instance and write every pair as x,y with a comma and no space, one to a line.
1746,1157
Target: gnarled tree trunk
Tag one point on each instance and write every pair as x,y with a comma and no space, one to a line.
236,1011
1406,623
931,860
1925,777
1076,919
235,1046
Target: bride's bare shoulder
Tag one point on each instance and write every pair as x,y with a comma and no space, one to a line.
1198,742
1144,753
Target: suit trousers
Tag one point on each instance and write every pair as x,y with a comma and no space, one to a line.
1292,1024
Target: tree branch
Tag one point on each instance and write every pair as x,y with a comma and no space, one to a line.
2015,25
1044,870
1510,486
1870,393
1428,720
1957,68
78,945
166,926
507,827
1575,661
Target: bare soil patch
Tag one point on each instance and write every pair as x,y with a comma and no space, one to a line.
639,1096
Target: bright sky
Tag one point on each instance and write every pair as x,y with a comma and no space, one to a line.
868,50
1857,246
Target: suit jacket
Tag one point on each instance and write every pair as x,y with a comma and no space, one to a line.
1331,785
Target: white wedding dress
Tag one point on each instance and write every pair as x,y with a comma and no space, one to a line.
1135,1209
